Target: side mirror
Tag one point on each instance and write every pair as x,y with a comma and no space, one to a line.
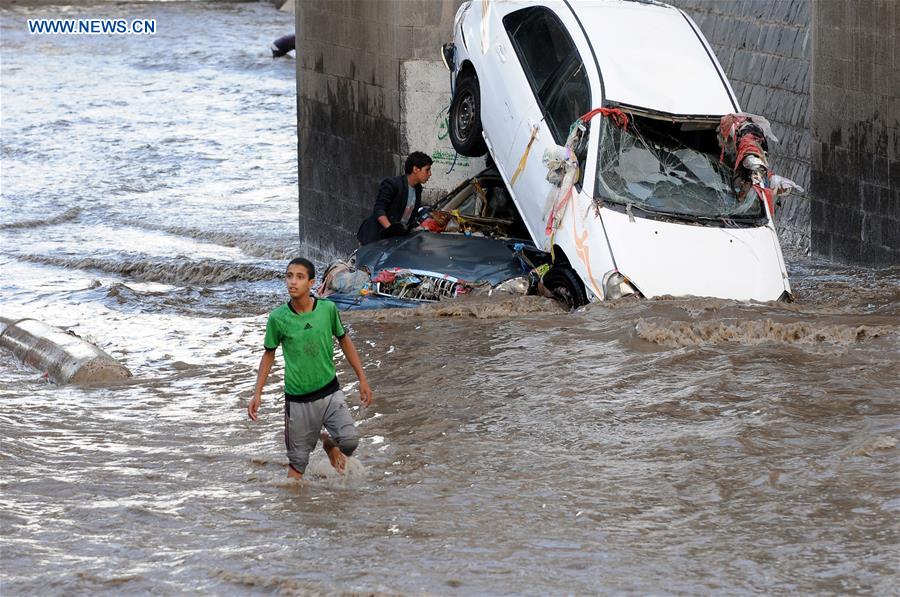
423,213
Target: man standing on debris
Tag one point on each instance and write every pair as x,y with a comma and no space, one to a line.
305,327
399,197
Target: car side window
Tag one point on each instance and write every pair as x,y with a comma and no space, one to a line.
553,67
540,42
567,99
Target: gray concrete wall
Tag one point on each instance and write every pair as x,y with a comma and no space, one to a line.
765,48
855,112
424,108
349,54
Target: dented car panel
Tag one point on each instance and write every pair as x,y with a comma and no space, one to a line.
675,225
469,258
664,258
425,267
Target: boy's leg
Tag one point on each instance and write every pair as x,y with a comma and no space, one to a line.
339,423
335,456
302,422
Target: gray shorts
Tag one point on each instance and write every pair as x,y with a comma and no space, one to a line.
303,422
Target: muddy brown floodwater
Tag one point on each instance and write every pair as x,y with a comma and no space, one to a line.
667,446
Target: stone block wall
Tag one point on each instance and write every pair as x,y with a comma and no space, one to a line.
855,112
349,54
764,46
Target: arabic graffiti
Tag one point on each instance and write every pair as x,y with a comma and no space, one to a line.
443,152
443,118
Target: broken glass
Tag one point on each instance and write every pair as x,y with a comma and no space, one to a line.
654,167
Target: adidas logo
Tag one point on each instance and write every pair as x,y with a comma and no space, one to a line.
308,327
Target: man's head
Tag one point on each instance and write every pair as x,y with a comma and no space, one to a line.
418,167
300,276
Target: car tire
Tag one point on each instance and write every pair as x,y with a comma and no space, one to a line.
565,286
465,118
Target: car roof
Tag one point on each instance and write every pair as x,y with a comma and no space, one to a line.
650,56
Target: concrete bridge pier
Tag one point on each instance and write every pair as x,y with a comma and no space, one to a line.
370,88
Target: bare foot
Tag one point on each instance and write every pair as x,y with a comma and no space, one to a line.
294,473
335,456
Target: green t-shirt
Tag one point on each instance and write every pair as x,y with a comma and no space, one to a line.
307,343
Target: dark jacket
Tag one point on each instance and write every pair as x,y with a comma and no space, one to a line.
391,202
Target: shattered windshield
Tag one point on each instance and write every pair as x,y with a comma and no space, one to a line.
654,167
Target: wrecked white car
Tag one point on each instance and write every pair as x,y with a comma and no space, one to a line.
622,144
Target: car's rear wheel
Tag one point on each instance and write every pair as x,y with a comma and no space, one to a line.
465,118
565,286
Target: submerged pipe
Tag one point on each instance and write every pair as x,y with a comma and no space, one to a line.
64,356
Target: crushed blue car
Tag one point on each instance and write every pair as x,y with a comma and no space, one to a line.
469,242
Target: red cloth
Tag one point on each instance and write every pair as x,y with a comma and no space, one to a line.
432,225
619,118
737,144
385,277
749,144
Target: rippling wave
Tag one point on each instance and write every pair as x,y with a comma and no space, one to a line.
69,215
267,248
698,333
170,271
498,307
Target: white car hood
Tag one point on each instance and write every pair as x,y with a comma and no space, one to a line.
679,259
651,57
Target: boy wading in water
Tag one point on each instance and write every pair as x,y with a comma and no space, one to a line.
304,327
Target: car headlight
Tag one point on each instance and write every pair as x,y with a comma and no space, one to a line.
616,286
513,286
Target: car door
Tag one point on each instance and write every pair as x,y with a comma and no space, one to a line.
560,92
504,88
